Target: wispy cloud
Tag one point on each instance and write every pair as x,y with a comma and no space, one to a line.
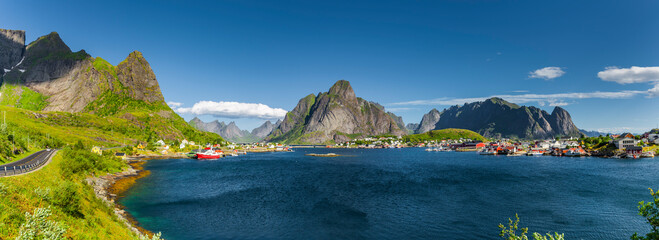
174,104
520,91
556,99
234,110
399,109
633,74
547,73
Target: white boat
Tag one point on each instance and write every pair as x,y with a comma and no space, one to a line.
647,155
488,152
572,153
429,150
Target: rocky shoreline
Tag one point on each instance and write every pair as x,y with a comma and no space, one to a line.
108,187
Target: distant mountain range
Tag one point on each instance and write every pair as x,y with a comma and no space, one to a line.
497,118
337,115
231,131
593,133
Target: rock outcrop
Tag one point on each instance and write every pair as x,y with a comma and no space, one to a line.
496,117
428,121
12,47
334,116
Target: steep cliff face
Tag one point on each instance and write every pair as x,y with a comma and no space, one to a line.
265,129
398,120
428,121
334,116
12,46
496,117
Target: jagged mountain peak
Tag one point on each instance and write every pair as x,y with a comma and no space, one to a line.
48,44
334,116
501,101
342,89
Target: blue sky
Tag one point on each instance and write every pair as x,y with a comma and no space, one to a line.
408,56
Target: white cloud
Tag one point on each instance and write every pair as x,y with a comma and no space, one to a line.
520,91
547,73
633,74
399,109
630,75
557,103
174,104
556,98
234,110
654,92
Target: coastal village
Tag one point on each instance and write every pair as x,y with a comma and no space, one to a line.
624,145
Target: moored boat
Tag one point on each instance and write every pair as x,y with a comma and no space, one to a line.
488,151
647,155
210,154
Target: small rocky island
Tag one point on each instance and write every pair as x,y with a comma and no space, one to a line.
323,155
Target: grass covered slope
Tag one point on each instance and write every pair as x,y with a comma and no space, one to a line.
60,187
444,134
28,130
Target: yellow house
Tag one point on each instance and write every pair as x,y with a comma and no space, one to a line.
97,150
140,146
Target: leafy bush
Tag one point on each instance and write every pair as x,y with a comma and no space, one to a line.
66,197
510,232
43,193
154,237
37,226
650,211
83,161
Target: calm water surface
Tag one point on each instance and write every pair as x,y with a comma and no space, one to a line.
390,194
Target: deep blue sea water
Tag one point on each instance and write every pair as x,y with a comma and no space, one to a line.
390,194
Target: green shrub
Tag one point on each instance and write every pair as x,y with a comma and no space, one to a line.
650,211
83,161
510,232
67,198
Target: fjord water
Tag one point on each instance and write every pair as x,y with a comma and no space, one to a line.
390,194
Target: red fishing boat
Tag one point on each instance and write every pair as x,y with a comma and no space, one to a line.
210,154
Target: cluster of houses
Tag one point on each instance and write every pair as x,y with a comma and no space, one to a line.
374,142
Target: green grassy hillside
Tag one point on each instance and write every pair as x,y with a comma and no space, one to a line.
29,130
444,134
60,187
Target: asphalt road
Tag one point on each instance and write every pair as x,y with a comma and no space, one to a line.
36,157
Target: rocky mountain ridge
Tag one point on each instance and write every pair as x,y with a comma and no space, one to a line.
334,116
76,82
497,118
47,76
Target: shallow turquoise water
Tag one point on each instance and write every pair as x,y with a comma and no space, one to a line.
390,194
